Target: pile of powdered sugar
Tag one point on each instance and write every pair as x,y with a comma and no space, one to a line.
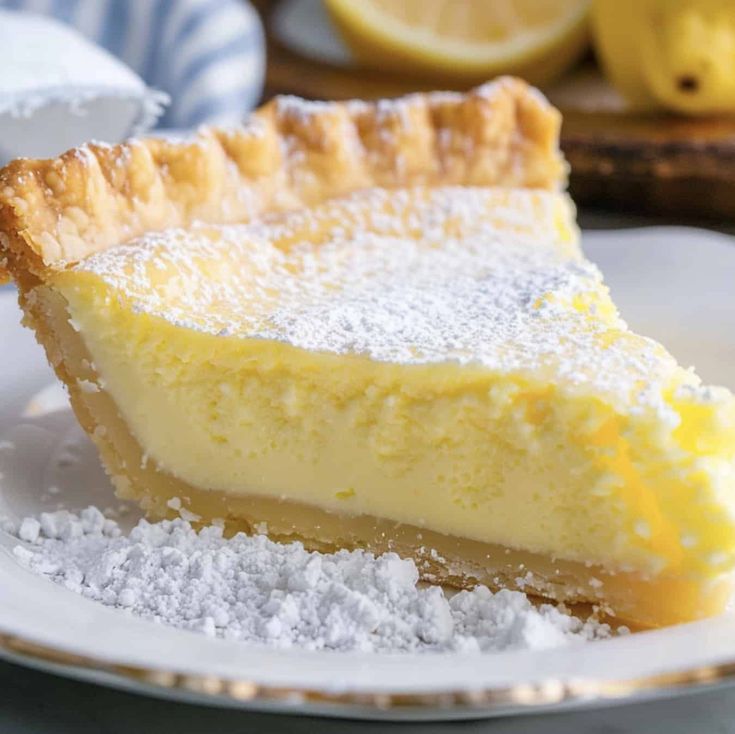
251,589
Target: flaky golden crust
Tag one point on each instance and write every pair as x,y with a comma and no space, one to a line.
290,153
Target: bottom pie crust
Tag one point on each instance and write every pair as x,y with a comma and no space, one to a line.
637,600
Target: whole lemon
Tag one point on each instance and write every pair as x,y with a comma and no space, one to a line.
676,54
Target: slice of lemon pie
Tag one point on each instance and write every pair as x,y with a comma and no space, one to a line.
371,325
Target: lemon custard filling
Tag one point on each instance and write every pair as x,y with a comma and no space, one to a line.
372,325
443,357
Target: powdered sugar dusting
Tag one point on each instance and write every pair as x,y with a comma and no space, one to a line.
253,590
460,274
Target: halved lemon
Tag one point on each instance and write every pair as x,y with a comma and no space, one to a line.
465,39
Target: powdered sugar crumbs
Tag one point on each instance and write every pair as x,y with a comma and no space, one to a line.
250,589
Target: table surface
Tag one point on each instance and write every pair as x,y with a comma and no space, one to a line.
32,702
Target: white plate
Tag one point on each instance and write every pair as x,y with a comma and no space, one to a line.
673,284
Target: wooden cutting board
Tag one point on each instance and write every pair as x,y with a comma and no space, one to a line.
680,168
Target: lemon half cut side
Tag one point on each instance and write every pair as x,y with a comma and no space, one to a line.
465,39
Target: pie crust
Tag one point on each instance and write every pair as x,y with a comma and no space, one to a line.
289,154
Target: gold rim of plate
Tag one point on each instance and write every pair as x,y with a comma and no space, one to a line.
522,697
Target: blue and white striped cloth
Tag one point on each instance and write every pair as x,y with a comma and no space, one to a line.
208,55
